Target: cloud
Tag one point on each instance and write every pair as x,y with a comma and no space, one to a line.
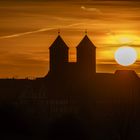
91,9
37,31
26,33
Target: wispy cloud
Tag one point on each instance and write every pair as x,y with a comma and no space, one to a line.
37,31
91,9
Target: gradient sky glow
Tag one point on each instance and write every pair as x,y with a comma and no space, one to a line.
28,28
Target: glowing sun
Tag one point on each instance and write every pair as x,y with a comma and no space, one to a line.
126,56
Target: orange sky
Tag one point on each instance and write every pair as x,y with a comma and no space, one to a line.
28,28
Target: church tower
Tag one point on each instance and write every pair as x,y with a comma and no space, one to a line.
86,57
58,55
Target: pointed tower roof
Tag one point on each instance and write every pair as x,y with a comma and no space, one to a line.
86,42
59,43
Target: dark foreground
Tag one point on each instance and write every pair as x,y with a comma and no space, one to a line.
106,107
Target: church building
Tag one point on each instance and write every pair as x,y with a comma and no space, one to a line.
85,53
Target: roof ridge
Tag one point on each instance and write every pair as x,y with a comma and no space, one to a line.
86,42
59,42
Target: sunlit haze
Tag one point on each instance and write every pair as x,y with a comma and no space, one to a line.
28,28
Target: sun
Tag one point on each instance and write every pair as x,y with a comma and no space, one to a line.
126,56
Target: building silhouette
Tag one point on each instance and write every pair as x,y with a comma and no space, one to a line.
73,101
86,57
58,55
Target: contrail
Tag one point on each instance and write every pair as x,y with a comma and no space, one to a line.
37,31
26,33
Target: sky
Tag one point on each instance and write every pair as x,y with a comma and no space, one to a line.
29,27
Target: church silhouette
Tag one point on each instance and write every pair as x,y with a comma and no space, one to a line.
72,101
86,57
